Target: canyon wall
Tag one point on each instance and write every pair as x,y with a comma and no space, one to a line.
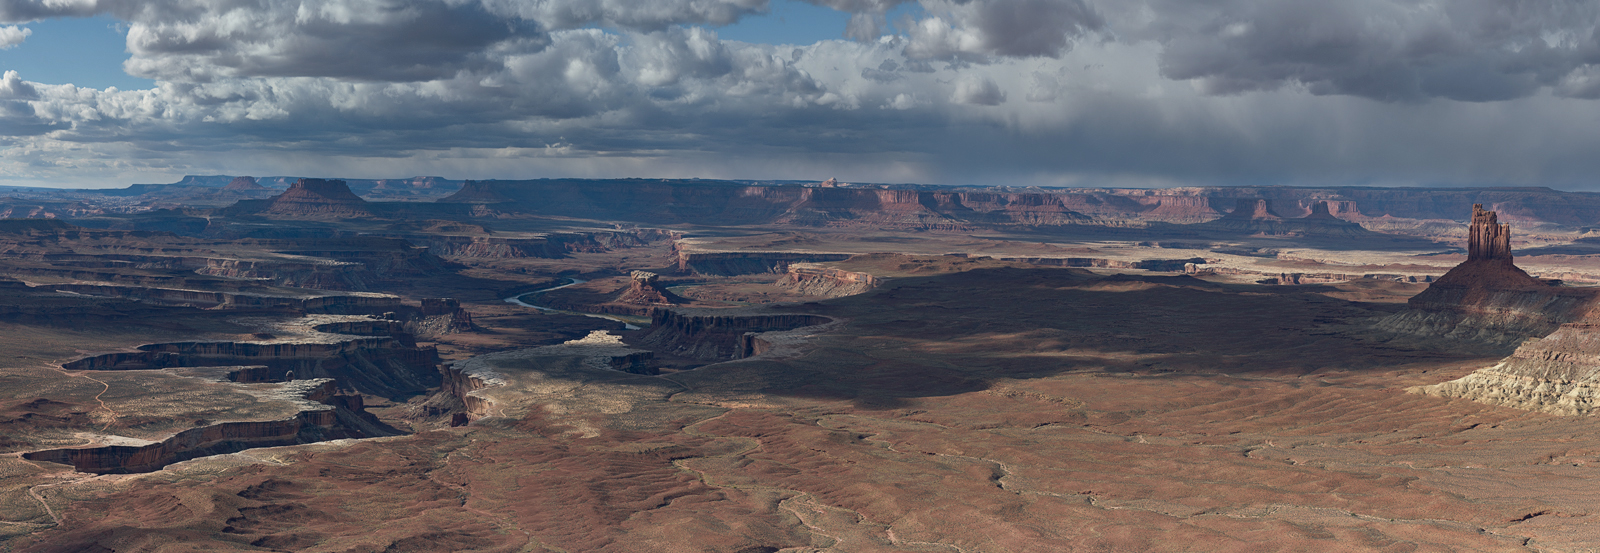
337,416
712,334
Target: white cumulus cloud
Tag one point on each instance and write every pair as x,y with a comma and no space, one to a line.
13,35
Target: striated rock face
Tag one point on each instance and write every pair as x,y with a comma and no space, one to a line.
749,263
1487,239
821,281
332,416
1253,210
719,334
1488,299
207,299
1557,374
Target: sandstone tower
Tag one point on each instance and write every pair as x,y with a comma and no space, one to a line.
1487,239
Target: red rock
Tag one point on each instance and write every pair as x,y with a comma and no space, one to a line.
317,198
645,289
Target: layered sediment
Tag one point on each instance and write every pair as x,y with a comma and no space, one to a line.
327,415
1558,374
942,208
814,280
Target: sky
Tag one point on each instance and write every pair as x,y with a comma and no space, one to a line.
1114,93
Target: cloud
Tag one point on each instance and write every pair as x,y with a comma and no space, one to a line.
978,91
11,36
366,40
1106,91
1387,50
1012,28
632,15
867,17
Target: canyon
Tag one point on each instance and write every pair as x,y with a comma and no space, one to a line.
424,364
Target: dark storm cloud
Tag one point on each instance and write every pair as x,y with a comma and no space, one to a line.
976,29
412,41
1389,50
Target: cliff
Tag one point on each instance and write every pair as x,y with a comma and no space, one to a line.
440,316
713,334
749,263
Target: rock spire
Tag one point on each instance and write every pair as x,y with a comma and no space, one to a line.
1487,238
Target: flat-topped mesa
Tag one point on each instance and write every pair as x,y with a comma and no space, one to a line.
317,197
244,184
1487,238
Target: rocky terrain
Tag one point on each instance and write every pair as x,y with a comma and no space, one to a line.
339,365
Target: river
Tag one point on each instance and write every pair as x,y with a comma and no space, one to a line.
517,299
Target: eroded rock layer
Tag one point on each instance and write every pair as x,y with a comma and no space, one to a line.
822,281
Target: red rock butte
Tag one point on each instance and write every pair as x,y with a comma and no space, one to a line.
1258,208
1488,263
313,197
